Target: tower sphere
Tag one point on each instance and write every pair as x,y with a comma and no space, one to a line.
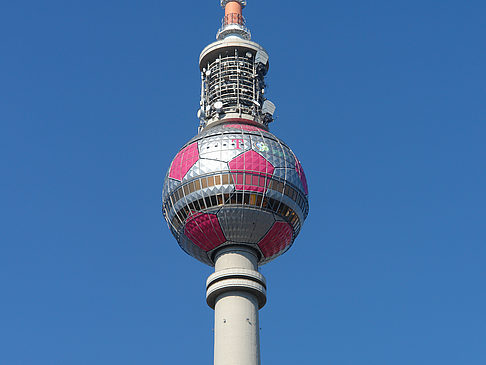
235,183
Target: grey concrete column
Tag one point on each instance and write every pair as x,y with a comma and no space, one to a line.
236,291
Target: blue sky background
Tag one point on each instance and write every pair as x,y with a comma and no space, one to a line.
383,102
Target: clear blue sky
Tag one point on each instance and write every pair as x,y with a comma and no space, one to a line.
384,103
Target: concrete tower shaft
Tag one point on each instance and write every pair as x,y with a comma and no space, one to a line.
236,291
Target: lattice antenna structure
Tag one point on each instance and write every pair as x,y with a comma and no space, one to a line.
233,73
235,196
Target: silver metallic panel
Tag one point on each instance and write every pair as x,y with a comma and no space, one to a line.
193,250
275,153
224,147
205,167
291,176
170,186
245,225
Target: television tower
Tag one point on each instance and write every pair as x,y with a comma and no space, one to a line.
235,196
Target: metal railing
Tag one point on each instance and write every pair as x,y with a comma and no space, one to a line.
233,18
233,23
232,80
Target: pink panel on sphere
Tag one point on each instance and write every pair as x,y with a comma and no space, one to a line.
277,239
184,161
300,172
204,231
250,171
245,127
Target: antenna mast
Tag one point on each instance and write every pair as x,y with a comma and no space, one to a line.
233,73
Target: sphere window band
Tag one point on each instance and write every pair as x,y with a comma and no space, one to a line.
237,198
256,180
240,197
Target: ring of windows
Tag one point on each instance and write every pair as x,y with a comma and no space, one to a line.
248,179
238,198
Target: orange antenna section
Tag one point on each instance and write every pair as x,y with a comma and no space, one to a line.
233,13
233,21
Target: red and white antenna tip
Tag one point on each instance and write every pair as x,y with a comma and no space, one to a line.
233,11
233,21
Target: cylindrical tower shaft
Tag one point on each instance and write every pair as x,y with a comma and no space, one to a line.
236,291
236,337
